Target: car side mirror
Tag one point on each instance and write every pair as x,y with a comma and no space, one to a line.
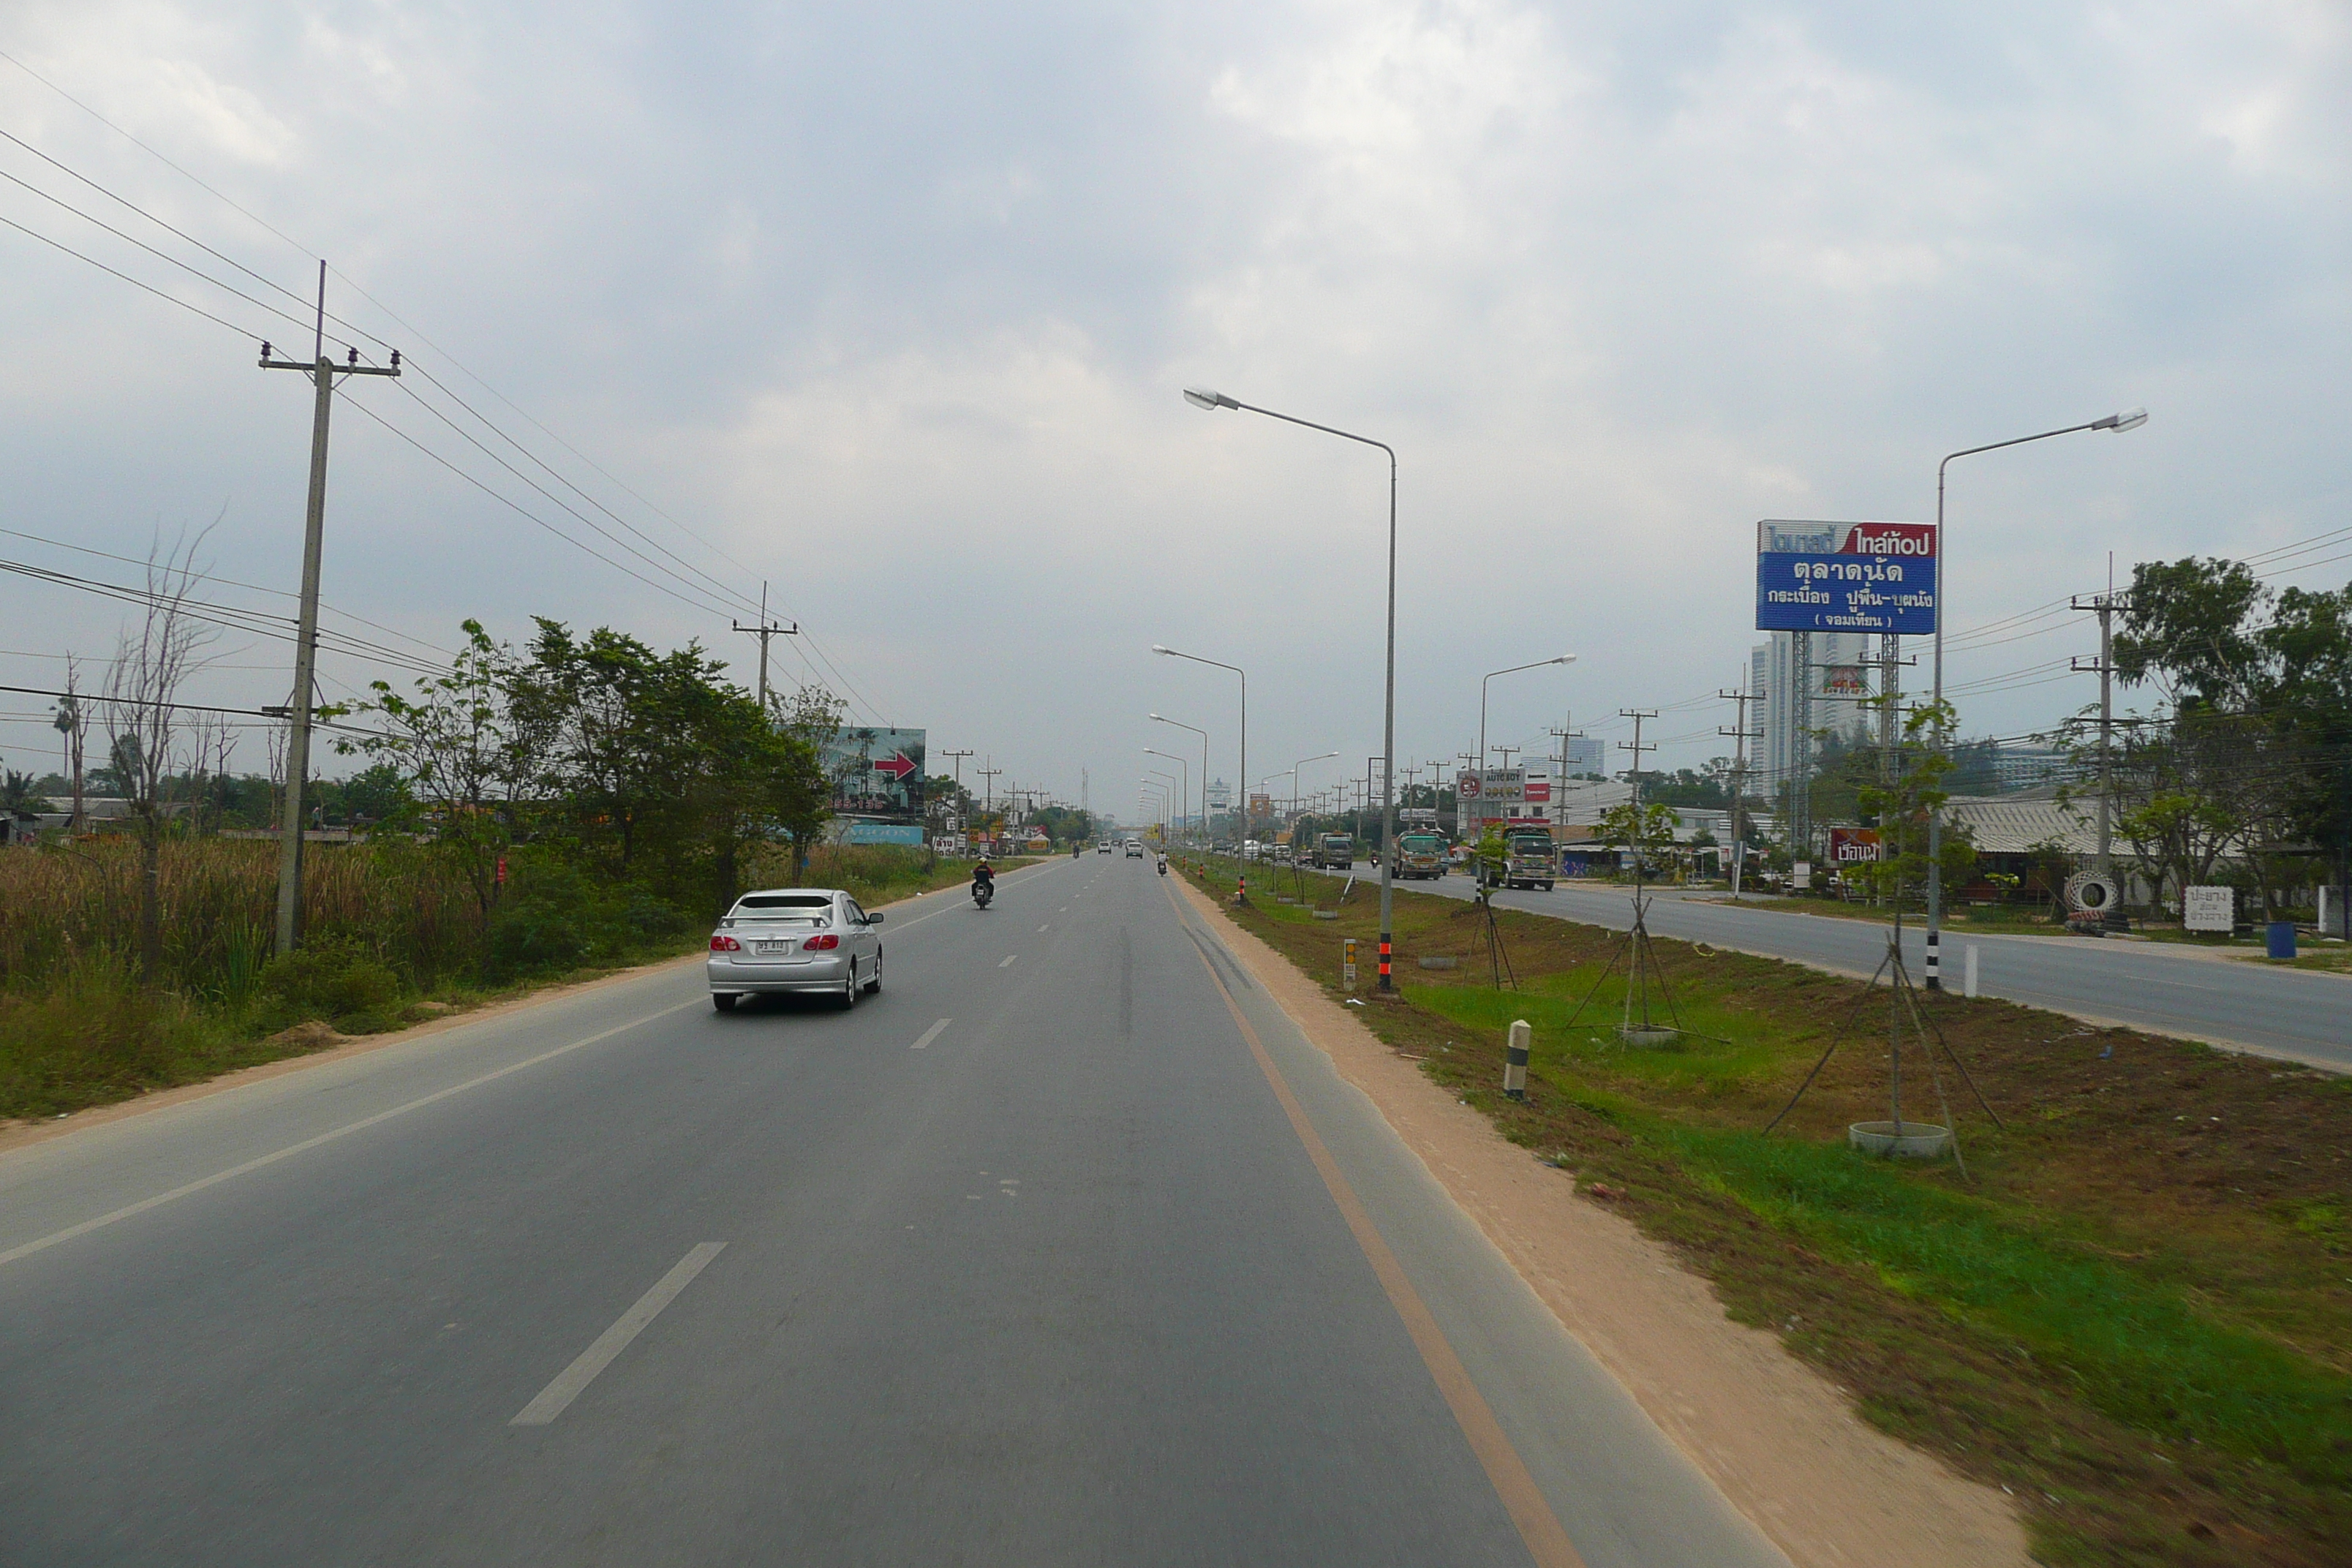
874,920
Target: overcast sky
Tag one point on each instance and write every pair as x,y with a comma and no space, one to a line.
891,305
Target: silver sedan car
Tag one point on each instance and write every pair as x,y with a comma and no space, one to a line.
784,940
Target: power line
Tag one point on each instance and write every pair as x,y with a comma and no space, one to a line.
813,644
102,267
231,582
158,255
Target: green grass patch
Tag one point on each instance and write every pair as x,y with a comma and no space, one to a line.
2135,1311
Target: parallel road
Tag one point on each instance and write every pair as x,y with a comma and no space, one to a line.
2159,987
1050,1254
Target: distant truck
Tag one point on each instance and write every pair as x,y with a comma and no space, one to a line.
1530,861
1420,857
1334,852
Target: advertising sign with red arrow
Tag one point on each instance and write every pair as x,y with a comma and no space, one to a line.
877,772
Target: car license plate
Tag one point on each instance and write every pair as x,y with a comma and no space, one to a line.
772,947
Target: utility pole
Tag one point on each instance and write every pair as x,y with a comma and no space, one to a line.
71,723
2104,606
990,773
964,806
1635,746
322,372
1559,773
1506,752
1740,735
1801,746
765,629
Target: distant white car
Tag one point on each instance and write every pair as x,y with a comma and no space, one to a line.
1135,848
781,941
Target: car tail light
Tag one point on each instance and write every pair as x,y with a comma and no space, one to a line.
725,945
824,943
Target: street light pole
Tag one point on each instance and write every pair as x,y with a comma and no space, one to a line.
1240,818
1201,398
1319,757
1161,719
1538,664
1184,797
2130,419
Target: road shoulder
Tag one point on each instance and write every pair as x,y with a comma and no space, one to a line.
1784,1445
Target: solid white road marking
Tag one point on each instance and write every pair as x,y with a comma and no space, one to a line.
929,1035
1008,961
570,1383
160,1199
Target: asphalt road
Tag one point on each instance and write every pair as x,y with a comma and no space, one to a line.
1025,1261
2160,986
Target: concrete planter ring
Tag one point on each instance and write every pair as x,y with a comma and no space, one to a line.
1912,1140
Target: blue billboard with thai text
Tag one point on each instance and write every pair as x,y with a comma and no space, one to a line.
1846,577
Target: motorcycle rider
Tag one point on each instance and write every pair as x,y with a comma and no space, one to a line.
1163,863
984,876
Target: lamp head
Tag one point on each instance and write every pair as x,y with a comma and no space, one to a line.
1157,648
1565,658
1202,397
2130,419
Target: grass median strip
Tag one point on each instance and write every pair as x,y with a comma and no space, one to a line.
2135,1316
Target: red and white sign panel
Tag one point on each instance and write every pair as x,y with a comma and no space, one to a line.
1853,846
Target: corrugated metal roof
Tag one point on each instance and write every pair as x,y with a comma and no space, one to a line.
2015,824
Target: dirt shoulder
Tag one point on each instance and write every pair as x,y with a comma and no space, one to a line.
1783,1444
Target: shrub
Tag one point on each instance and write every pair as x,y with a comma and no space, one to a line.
334,979
554,919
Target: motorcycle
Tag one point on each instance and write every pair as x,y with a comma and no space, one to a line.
982,892
1163,865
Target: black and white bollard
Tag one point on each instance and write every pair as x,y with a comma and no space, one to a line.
1515,1061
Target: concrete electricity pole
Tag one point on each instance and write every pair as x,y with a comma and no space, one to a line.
1741,737
765,629
2106,605
322,372
1635,746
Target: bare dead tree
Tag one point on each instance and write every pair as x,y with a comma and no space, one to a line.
155,655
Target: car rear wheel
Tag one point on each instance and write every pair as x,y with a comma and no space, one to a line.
848,997
873,987
723,1001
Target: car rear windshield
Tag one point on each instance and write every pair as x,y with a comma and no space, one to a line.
1419,843
802,909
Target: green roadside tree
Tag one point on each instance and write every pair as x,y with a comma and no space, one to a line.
1900,806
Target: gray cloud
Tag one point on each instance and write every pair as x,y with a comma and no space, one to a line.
892,304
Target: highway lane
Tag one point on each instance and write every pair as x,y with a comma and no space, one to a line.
1023,1261
2291,1013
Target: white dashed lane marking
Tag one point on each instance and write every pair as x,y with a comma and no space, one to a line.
1008,961
929,1035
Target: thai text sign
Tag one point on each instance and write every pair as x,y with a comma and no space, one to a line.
2208,908
1845,577
1853,846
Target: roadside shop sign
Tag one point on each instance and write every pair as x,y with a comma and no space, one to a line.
2210,908
1853,846
1816,576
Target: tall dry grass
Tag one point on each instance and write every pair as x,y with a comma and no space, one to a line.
74,910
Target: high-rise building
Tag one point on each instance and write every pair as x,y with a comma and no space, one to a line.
1842,675
1586,755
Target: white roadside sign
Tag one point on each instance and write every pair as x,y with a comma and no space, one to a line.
2208,908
